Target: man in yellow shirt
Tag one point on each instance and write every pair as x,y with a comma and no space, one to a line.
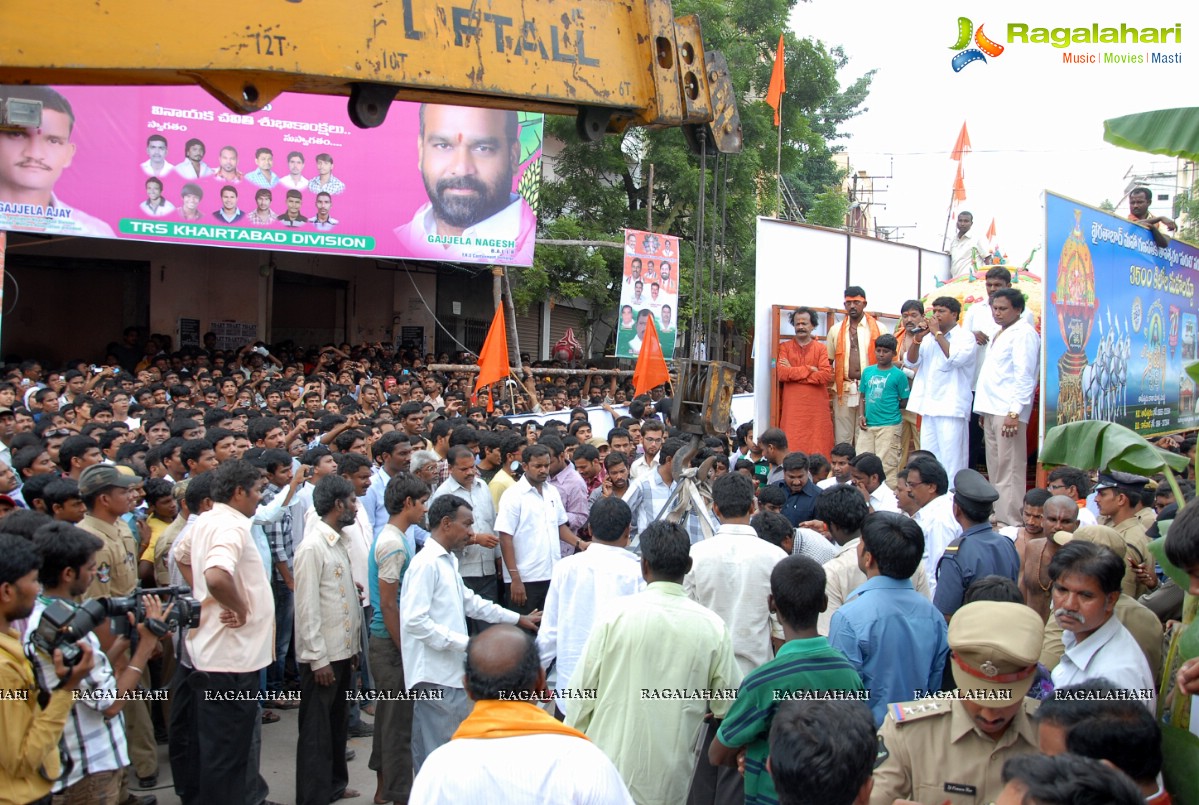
29,728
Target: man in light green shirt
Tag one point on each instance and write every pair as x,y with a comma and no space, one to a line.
651,671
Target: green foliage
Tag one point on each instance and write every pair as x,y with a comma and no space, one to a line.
830,208
1186,212
598,189
1096,445
1107,206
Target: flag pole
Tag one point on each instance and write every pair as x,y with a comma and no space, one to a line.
778,166
948,220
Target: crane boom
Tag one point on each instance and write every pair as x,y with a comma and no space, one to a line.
610,63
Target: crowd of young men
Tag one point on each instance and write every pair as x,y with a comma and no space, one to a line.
358,536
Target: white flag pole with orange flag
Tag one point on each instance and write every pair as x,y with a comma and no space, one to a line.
650,370
774,97
961,147
493,358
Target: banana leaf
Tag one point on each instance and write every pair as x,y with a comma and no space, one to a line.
1095,445
1170,132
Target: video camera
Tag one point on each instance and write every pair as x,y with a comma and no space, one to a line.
63,623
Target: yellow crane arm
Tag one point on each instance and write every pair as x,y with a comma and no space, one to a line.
610,63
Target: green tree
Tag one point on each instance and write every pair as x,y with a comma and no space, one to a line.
1186,213
598,189
1107,206
830,208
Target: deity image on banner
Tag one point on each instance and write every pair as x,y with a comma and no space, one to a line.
1075,303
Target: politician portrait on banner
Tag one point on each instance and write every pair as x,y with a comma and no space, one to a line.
650,289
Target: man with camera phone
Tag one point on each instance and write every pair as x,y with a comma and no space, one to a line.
94,737
30,724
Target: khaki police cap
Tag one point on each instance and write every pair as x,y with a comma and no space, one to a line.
1103,535
995,647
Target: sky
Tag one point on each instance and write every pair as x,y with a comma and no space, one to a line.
1035,123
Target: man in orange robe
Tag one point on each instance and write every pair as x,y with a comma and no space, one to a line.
804,372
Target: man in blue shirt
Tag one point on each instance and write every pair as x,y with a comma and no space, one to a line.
892,635
801,490
979,551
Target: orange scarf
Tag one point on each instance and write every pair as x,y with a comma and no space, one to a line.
841,364
496,719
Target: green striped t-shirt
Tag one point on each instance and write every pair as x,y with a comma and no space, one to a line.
800,665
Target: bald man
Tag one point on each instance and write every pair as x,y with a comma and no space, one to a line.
508,742
1060,513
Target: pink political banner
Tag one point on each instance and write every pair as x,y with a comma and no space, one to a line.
171,164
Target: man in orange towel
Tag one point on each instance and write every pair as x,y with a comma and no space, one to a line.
508,745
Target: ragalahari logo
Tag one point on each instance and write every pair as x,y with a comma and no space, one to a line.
986,47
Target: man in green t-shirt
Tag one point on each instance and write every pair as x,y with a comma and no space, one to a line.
806,666
885,391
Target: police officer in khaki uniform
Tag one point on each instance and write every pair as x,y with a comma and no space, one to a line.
105,492
1137,618
1118,496
952,749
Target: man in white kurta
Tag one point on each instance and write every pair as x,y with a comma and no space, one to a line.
944,353
642,686
583,588
1006,385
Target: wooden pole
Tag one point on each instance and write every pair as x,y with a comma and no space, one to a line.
548,372
649,201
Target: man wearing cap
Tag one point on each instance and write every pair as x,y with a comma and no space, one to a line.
1138,619
979,551
1086,585
952,750
1118,496
105,492
851,349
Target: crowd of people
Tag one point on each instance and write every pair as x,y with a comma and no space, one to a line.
531,611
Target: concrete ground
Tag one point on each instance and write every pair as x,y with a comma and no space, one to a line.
278,766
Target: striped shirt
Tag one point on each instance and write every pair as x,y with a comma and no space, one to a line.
93,742
801,665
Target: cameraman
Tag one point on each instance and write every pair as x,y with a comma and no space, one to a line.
29,731
94,738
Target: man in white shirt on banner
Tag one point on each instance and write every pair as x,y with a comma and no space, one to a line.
583,588
1006,385
468,157
944,354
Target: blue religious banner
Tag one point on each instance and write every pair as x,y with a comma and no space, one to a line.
1120,322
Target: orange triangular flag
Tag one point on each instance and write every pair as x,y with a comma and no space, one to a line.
959,187
493,358
962,146
991,230
651,368
778,83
